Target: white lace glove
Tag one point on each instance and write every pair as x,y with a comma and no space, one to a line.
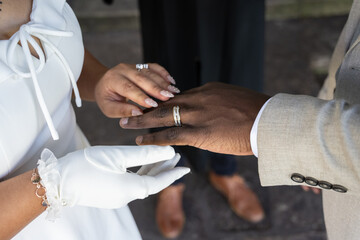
98,176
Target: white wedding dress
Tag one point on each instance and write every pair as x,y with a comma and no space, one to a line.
35,109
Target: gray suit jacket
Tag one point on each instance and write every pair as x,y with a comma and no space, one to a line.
319,139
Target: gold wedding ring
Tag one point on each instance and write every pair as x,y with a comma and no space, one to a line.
176,113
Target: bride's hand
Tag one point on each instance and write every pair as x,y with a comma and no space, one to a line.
124,82
99,176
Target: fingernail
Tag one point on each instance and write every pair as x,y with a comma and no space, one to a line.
136,112
173,89
151,102
171,79
166,93
139,140
124,121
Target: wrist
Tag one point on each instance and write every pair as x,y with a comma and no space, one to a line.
92,72
40,191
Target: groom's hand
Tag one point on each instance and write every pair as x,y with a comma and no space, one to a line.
216,117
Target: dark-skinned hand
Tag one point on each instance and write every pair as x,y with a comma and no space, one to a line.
216,117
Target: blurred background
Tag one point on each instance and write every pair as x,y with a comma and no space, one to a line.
300,36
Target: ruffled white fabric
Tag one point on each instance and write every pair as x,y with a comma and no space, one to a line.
50,179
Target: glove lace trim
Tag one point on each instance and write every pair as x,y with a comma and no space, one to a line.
50,179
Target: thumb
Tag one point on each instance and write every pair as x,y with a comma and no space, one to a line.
156,168
118,158
143,155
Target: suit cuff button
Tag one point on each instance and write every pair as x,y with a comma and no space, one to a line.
297,177
325,185
339,188
311,181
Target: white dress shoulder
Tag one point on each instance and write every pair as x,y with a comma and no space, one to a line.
35,109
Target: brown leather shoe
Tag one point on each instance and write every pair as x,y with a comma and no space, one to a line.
170,216
242,199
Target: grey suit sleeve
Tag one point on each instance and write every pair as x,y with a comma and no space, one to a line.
312,137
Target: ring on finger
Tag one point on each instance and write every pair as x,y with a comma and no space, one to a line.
176,114
142,66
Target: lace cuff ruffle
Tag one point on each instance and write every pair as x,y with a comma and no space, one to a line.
50,179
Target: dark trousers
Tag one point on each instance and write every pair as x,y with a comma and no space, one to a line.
200,41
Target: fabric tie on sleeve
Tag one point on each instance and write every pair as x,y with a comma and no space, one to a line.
24,36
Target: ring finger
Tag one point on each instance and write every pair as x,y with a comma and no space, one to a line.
162,72
153,75
165,77
150,82
162,116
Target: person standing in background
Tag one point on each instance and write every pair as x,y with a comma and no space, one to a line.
198,42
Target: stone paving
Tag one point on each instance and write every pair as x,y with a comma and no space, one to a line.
297,51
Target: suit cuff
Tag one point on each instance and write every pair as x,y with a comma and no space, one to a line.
254,130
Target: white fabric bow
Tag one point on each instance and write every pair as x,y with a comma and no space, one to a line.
24,36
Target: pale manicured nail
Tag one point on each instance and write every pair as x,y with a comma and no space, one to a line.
151,102
139,140
166,93
136,112
124,121
171,79
173,89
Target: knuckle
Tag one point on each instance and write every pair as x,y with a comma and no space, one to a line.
195,112
156,65
122,66
164,85
111,73
146,71
172,134
169,123
208,97
188,108
139,76
139,96
112,112
203,138
214,84
151,74
108,113
141,79
161,112
156,88
139,121
150,138
208,84
163,71
211,85
128,86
